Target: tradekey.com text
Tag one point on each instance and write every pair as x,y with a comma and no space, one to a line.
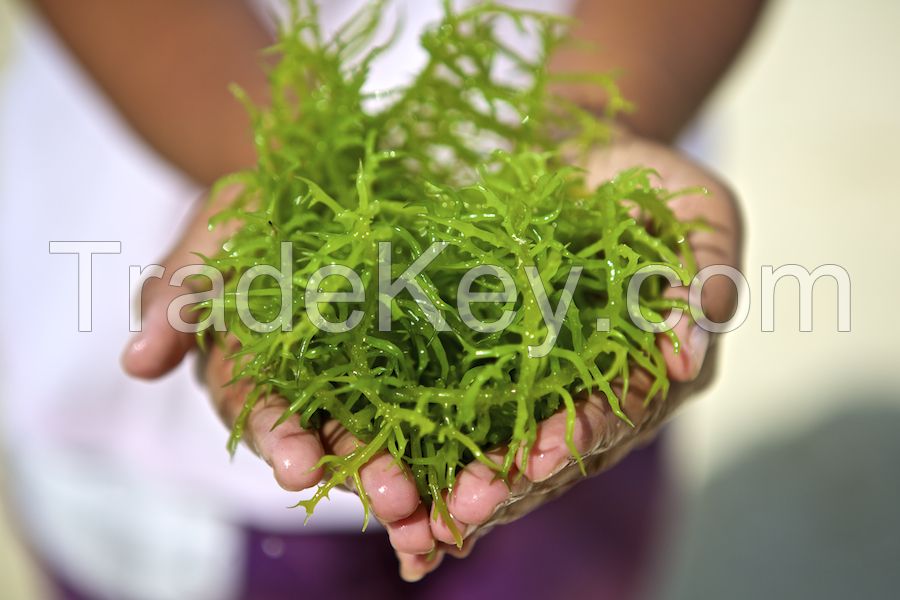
319,291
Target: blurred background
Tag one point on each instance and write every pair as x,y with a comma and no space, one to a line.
787,465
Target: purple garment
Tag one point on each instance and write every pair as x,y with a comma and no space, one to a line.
596,541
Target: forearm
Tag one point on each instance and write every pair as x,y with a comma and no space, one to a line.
167,64
669,55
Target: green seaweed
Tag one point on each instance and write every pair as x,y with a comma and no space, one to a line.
457,156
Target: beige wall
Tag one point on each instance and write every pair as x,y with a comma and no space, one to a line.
809,135
5,23
18,576
788,464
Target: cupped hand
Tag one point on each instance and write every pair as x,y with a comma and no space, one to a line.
291,451
479,500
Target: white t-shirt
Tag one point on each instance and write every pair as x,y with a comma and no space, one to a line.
119,483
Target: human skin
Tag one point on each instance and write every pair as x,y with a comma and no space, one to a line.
479,501
166,66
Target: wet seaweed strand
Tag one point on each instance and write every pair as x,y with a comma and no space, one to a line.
457,156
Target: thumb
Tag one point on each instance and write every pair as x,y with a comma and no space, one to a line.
159,347
413,567
718,244
684,362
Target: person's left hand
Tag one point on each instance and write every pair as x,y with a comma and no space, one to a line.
292,452
479,500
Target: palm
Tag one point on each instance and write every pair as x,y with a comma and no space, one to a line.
479,501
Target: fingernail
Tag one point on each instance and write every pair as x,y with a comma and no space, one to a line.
409,575
461,528
698,343
559,461
135,345
430,550
139,341
555,471
135,348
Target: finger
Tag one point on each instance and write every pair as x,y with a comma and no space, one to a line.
685,362
389,486
441,530
291,451
594,423
414,567
478,491
720,242
717,246
159,347
412,535
452,550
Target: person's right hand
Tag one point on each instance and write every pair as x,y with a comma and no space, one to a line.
480,500
292,451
